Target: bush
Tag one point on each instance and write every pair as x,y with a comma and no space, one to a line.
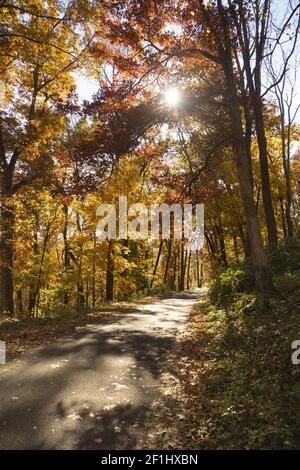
288,282
285,258
229,282
284,263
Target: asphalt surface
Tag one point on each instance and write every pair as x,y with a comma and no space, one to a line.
91,389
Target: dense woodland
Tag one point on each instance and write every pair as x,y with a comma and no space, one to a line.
169,101
231,142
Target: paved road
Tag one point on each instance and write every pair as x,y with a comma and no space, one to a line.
90,389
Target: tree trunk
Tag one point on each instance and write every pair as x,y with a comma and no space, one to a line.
201,275
67,260
188,280
19,303
80,285
198,269
6,248
264,172
169,245
178,267
32,284
235,247
80,295
218,229
240,147
87,296
173,279
110,273
94,271
283,222
34,301
183,261
156,263
287,174
263,278
211,249
245,242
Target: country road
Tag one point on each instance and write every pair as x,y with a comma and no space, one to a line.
91,389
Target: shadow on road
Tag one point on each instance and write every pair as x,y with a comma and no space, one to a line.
90,389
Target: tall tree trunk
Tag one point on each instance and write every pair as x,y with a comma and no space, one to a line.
283,222
188,279
178,267
7,220
263,278
254,86
264,173
168,258
219,232
67,260
156,263
110,273
19,303
80,295
240,147
211,249
286,160
201,275
245,241
34,301
94,271
80,285
173,279
235,247
32,284
87,296
183,261
198,269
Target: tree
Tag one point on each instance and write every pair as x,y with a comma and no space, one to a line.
205,24
40,47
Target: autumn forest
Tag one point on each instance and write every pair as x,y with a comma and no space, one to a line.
164,102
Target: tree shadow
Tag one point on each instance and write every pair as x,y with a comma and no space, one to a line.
119,428
90,389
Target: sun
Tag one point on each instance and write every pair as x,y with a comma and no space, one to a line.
172,96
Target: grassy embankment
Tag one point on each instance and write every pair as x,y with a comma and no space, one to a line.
234,385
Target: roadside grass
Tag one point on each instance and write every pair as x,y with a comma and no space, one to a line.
234,385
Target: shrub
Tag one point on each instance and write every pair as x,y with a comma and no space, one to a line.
231,281
288,282
286,256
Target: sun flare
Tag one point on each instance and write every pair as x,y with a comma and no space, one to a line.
172,96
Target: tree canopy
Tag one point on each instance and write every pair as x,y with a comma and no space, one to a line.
229,140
